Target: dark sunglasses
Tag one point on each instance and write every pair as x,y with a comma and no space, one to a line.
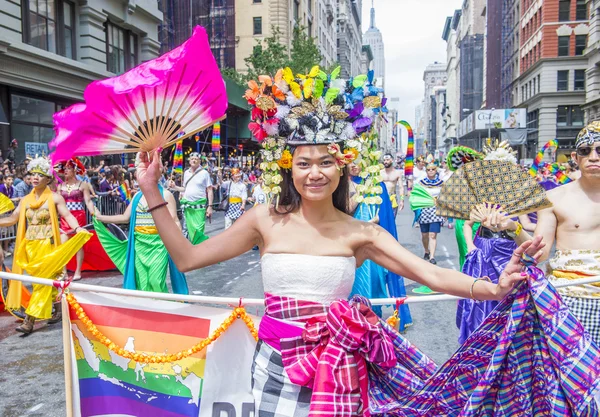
585,151
431,169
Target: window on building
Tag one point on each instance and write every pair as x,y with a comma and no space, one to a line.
539,77
309,29
256,1
567,116
534,80
296,10
257,25
580,44
562,80
121,49
581,11
579,83
563,45
564,10
49,25
533,119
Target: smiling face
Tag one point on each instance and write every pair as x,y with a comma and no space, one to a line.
314,172
589,164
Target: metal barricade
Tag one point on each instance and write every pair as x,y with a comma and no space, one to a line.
8,233
108,205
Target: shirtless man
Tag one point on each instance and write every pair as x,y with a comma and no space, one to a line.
573,223
393,177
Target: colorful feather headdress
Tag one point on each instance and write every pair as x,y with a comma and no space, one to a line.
40,165
73,162
145,108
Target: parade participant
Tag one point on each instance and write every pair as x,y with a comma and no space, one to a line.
76,193
429,222
573,224
393,179
197,198
142,258
237,194
310,248
38,248
419,172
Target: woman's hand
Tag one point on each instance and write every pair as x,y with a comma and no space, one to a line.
514,271
149,170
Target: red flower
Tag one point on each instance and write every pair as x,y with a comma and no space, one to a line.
257,131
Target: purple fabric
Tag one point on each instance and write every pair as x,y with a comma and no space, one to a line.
489,259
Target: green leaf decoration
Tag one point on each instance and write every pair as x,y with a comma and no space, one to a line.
335,73
322,75
359,80
331,94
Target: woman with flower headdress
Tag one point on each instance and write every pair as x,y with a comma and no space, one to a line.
38,248
310,248
76,193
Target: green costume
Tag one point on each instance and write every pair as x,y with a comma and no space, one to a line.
195,219
460,239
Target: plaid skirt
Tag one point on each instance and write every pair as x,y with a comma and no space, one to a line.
234,211
587,311
428,216
274,394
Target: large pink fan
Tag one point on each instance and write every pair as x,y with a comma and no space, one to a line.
147,107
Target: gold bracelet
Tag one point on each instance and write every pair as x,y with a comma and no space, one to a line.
473,284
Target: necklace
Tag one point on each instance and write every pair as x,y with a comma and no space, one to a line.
70,187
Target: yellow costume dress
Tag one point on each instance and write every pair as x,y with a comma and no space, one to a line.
40,253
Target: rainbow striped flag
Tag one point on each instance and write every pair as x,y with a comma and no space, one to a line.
178,158
108,384
409,162
124,193
216,137
533,170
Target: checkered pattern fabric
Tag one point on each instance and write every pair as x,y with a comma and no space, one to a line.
74,205
234,211
428,215
274,394
587,311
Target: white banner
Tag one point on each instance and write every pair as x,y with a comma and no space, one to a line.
213,382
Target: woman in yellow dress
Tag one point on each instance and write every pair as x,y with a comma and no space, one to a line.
38,247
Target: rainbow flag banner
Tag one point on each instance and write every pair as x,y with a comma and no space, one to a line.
216,137
203,384
178,158
410,149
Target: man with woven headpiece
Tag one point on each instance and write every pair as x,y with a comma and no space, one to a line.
39,251
197,198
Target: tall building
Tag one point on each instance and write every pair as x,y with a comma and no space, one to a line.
452,111
554,35
349,36
492,68
50,50
218,18
592,52
374,39
433,76
327,33
509,72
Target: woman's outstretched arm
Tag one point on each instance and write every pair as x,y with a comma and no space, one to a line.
380,247
236,240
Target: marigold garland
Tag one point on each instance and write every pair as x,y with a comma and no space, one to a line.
237,313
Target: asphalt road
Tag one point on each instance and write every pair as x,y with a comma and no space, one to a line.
32,379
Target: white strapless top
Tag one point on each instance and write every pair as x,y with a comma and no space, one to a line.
323,279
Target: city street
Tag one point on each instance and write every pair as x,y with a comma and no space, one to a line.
33,381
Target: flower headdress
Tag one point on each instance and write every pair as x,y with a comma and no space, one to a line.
41,166
73,162
315,108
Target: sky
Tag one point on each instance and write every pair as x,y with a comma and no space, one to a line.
412,36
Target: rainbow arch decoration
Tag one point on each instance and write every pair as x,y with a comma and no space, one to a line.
409,162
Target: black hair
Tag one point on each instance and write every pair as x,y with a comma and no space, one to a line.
290,199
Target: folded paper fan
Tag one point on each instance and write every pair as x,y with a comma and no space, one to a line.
497,182
420,198
145,108
6,204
